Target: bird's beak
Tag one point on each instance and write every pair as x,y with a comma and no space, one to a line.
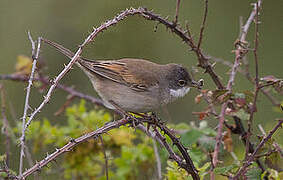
197,84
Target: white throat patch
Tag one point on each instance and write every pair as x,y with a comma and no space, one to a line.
179,92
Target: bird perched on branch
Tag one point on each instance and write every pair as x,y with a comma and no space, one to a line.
134,85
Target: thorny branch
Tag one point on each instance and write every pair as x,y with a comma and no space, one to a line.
257,87
46,81
239,53
105,157
177,11
35,55
203,24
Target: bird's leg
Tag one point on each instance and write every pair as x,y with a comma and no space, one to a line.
155,119
125,114
145,117
151,119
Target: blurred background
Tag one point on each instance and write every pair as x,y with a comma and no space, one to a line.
68,22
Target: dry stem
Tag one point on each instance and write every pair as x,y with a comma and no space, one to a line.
35,56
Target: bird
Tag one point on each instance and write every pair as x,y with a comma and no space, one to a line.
134,85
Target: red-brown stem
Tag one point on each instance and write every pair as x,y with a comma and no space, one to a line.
257,87
177,11
202,25
238,57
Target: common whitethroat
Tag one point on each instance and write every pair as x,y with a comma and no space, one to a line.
134,85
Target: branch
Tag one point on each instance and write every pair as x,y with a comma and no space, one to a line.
257,87
158,162
156,135
105,157
274,144
177,12
202,58
46,81
22,139
203,24
239,52
189,166
259,146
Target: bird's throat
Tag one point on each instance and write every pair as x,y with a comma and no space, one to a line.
176,93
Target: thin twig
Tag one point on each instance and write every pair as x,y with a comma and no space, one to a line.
187,38
259,146
274,144
177,12
46,81
203,24
70,98
219,134
253,107
158,161
211,170
35,56
105,157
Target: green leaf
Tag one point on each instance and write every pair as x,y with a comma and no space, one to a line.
239,95
191,137
224,170
207,143
217,93
274,161
249,96
197,155
242,114
253,174
3,157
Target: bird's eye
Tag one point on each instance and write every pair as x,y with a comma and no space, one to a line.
182,82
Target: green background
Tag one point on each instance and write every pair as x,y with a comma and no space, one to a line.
68,22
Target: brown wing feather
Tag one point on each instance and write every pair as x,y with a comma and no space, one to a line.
125,71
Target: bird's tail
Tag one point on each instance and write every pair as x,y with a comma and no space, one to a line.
59,48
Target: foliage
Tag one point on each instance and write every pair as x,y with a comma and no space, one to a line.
129,152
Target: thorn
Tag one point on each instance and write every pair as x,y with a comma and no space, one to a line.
73,140
213,65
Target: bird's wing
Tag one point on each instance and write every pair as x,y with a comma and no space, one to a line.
120,72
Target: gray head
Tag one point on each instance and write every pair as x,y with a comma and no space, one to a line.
180,81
